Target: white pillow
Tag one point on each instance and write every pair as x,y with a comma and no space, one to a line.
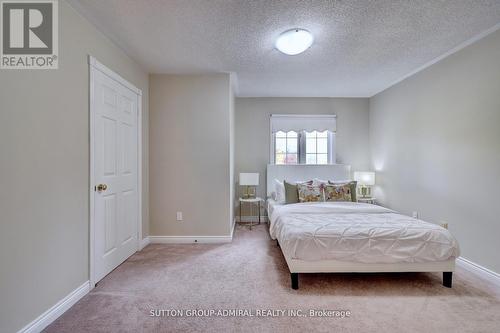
318,182
279,191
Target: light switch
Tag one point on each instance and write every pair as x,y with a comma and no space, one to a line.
179,216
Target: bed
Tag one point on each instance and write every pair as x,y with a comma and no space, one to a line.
334,237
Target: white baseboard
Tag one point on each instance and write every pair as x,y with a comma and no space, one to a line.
145,242
253,219
477,269
189,239
46,318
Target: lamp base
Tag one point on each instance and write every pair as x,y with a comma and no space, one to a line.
250,193
365,192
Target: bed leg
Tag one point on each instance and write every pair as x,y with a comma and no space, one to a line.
447,278
295,280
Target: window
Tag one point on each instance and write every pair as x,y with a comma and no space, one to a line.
315,147
302,139
286,147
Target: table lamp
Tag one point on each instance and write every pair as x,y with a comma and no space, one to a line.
365,180
250,180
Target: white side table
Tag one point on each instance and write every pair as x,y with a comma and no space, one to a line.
250,200
368,200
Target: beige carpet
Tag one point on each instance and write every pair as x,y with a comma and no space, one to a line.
251,274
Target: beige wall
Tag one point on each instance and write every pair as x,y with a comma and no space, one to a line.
435,141
252,131
44,171
190,121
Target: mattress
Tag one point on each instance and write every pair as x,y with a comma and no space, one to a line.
357,232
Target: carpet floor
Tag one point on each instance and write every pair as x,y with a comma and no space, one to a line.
251,274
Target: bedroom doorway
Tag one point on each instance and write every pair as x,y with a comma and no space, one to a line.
115,169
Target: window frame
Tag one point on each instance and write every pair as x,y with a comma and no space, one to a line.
301,149
286,148
330,139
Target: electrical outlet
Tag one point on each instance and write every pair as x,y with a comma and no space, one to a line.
179,216
414,215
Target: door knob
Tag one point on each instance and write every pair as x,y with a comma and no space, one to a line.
101,187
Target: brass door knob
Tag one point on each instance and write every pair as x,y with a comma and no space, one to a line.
101,187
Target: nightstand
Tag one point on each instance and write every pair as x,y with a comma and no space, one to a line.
367,200
252,201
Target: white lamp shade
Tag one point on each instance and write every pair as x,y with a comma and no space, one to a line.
366,178
249,179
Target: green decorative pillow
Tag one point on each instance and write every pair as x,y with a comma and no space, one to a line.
310,193
291,193
338,192
353,184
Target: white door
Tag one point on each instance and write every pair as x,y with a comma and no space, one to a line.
115,163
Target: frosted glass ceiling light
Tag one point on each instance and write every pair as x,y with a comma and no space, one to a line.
295,41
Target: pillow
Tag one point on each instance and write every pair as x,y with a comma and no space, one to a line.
352,183
279,191
319,182
338,192
309,193
291,192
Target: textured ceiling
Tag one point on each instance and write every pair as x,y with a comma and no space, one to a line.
360,48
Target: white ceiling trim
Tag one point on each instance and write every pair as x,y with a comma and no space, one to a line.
443,56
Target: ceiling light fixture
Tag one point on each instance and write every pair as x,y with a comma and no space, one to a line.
294,41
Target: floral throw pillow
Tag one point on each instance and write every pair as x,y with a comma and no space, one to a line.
291,191
338,192
352,183
309,193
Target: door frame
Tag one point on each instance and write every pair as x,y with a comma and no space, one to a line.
94,64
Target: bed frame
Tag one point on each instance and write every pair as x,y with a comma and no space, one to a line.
340,172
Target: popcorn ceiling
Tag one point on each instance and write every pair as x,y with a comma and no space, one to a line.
360,48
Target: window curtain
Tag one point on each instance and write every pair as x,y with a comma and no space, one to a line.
308,123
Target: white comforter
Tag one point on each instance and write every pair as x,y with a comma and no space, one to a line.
358,232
